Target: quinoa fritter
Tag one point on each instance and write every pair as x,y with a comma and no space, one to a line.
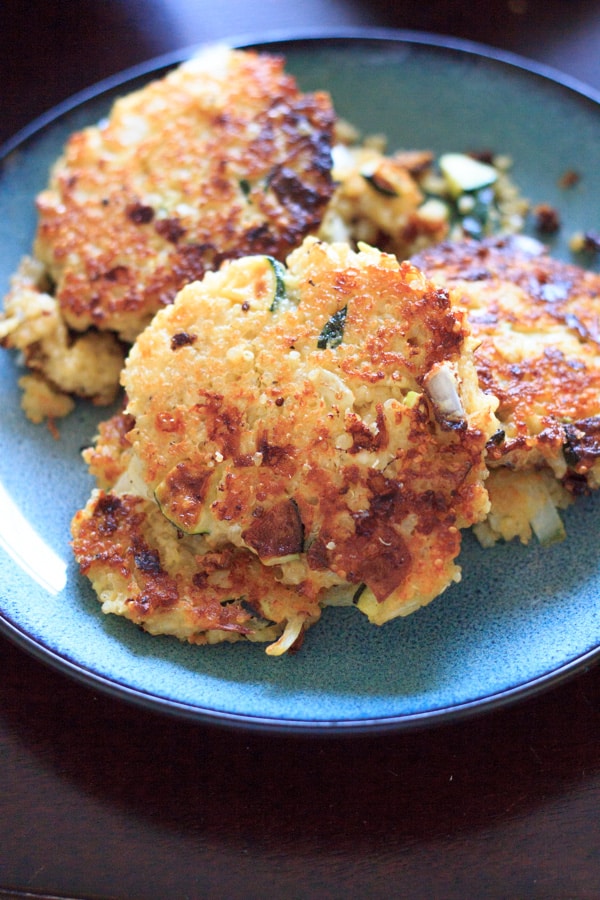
322,420
88,365
536,322
221,158
144,569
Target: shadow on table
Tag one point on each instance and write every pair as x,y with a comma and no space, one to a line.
303,791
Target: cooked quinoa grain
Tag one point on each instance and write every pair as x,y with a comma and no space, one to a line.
321,421
536,323
222,157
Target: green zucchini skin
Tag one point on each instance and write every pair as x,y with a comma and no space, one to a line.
378,185
332,334
279,293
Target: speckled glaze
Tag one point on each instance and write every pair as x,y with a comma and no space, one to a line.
521,619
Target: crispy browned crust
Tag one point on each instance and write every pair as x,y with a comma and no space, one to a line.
331,463
194,169
108,458
168,586
537,323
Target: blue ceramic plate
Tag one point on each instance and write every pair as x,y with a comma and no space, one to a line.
521,619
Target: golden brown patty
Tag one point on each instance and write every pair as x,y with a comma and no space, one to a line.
221,158
60,362
537,323
323,419
143,569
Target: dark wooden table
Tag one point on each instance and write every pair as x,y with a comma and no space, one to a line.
102,799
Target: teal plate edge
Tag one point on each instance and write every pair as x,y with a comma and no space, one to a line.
523,619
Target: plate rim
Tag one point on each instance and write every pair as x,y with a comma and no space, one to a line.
272,40
407,722
353,34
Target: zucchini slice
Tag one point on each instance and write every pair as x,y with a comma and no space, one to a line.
379,184
183,499
277,534
279,293
332,334
463,174
366,601
385,176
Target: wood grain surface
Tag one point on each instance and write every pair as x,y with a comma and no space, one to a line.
100,799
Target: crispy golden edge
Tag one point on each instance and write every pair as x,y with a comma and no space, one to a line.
278,495
536,322
143,570
206,164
